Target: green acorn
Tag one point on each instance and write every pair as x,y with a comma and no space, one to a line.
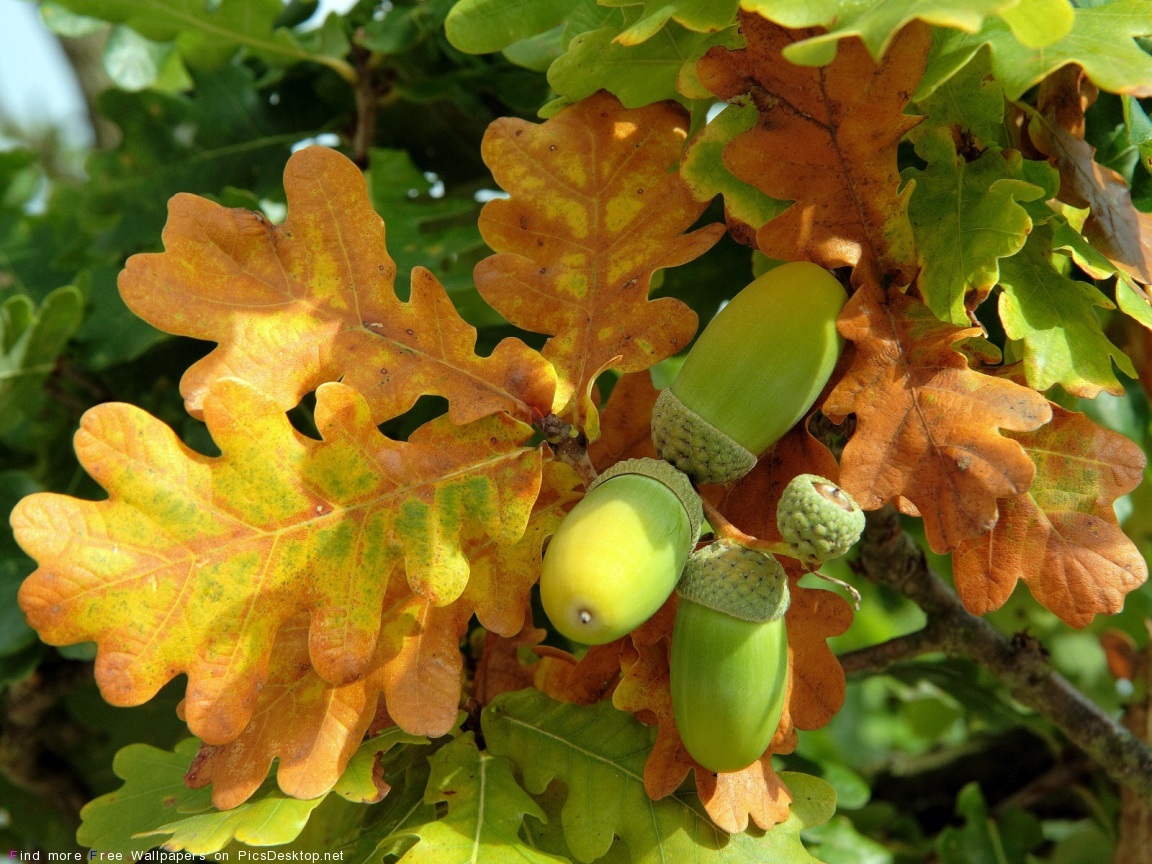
729,660
754,372
817,519
617,555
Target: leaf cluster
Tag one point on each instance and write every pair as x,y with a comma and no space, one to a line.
354,308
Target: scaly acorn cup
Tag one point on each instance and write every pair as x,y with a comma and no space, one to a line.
617,555
754,372
729,660
817,519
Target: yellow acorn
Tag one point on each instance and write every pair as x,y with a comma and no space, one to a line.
618,554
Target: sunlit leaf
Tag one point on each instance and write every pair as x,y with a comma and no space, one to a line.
193,563
826,140
927,426
312,300
593,214
1061,538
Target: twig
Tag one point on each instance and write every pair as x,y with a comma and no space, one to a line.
890,557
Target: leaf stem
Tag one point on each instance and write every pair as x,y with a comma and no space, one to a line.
891,557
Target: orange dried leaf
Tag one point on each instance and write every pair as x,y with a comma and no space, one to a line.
756,791
311,726
818,686
1061,537
582,681
313,300
594,212
422,674
193,563
927,426
826,139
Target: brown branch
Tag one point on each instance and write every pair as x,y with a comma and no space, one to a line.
890,557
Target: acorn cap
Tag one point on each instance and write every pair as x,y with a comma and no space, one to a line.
818,519
741,582
688,441
662,472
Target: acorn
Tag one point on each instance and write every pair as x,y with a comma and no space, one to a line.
618,554
729,659
817,519
754,372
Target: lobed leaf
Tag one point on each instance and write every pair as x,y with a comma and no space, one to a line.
486,807
1055,318
1061,538
966,217
194,563
594,212
598,753
1114,226
826,140
312,300
927,426
1035,23
1103,40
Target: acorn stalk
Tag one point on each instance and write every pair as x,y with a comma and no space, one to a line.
616,557
729,659
755,371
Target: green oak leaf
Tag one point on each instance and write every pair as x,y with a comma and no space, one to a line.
135,63
636,74
1054,317
30,341
154,806
966,217
208,34
599,752
876,22
153,795
486,807
971,100
1139,130
483,26
360,782
1102,40
703,169
703,16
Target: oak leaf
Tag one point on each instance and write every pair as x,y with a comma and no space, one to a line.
594,212
876,22
927,426
626,423
826,140
313,300
1103,40
1114,226
1061,538
193,563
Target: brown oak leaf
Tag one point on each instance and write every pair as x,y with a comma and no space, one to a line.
313,300
626,423
1061,538
594,212
1114,226
928,426
826,140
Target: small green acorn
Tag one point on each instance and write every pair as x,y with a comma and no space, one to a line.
618,554
729,659
754,372
817,519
